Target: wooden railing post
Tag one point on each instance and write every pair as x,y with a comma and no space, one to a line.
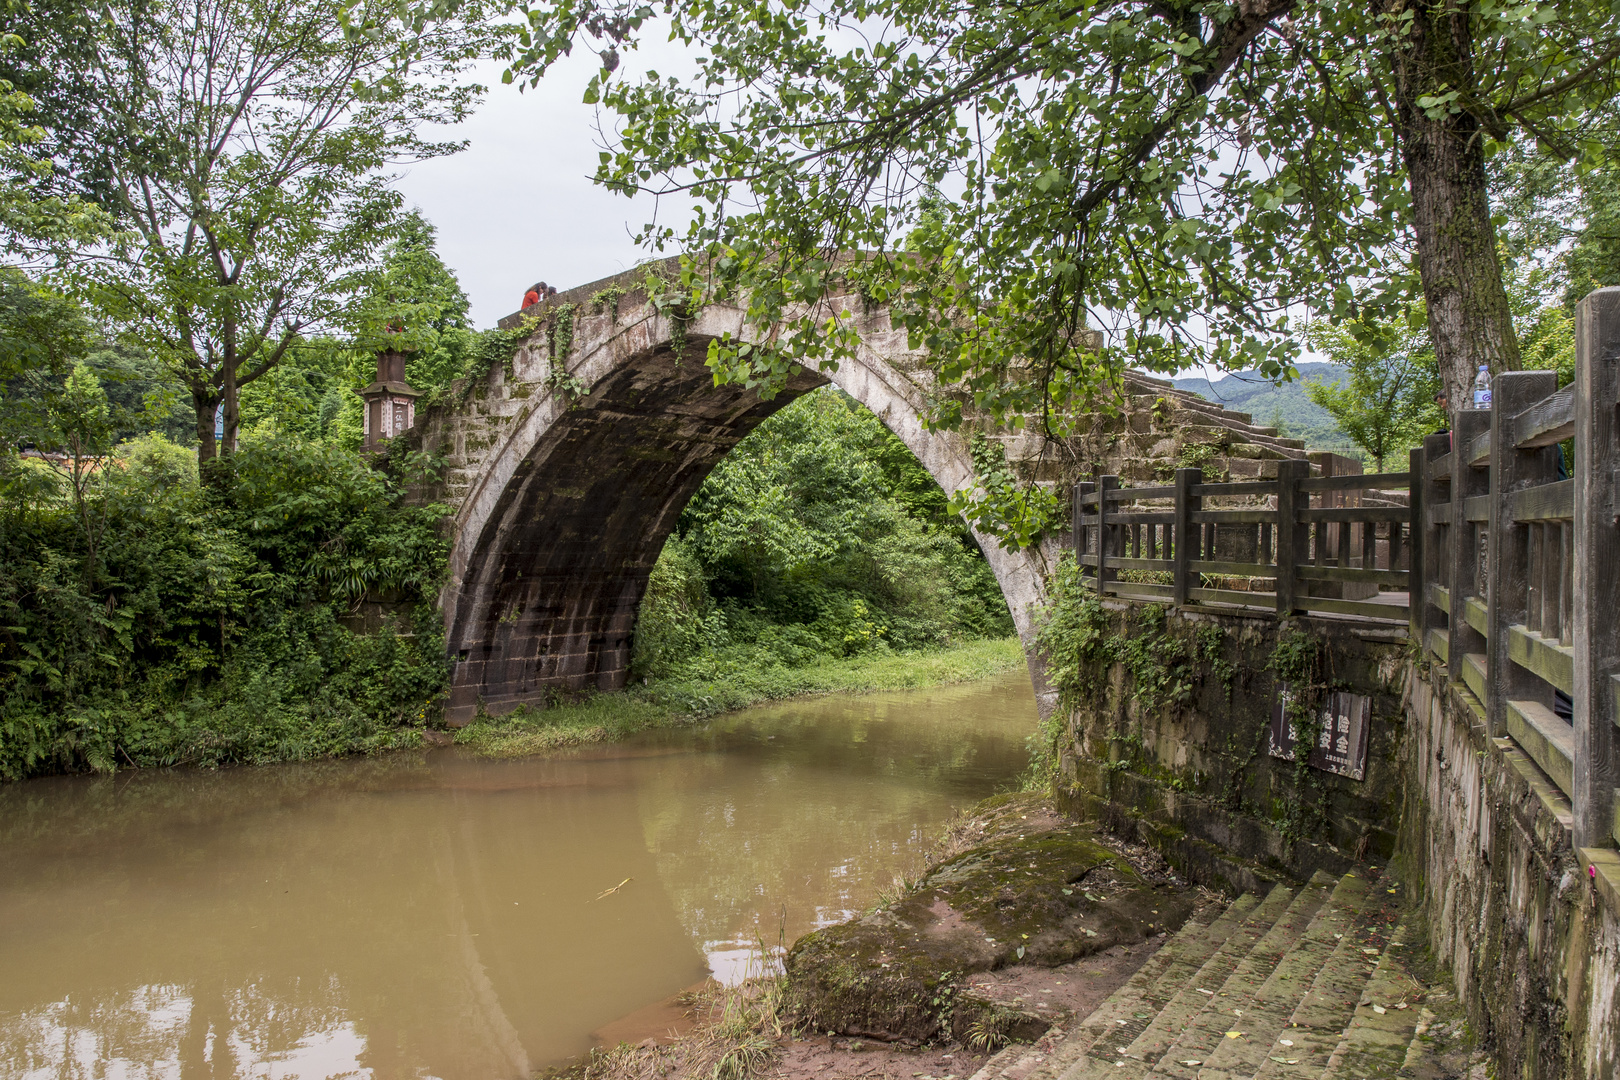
1435,495
1081,490
1186,548
1466,482
1595,629
1417,471
1293,535
1105,534
1508,550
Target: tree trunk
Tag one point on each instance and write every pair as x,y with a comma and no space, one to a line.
1469,318
227,394
205,404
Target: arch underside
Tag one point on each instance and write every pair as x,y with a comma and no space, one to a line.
548,597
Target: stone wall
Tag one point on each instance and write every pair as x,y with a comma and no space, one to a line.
1529,930
1527,925
1194,775
569,462
569,465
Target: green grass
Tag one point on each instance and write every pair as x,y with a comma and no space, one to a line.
676,701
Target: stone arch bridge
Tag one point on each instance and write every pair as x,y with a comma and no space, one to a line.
569,472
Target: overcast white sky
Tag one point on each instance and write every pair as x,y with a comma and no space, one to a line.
518,206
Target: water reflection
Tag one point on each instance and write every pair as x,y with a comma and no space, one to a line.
436,915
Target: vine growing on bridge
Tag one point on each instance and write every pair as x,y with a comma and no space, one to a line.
1017,512
674,303
560,333
607,300
1081,639
494,347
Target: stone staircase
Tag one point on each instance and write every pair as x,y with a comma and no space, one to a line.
1319,981
1210,416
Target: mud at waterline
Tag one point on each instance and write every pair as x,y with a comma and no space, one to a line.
1022,921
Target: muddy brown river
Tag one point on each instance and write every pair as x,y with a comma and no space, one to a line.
437,915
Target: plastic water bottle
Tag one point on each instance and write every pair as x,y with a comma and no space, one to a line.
1482,388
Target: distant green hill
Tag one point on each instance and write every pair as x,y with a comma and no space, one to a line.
1284,407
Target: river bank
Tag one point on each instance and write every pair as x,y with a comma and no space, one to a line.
789,1024
674,702
212,737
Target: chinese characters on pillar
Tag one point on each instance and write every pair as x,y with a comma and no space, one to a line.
390,401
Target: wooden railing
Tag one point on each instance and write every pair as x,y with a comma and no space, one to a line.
1522,560
1298,544
1504,565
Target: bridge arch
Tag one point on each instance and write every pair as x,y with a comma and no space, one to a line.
569,475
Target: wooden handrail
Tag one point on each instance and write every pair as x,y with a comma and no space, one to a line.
1284,548
1512,578
1550,420
1358,481
1250,488
1521,568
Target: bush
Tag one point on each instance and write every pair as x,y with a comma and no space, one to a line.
204,624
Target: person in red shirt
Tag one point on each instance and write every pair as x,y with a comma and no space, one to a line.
538,292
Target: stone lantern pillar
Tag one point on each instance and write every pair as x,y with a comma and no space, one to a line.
390,401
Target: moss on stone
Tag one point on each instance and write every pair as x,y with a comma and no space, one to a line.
1045,898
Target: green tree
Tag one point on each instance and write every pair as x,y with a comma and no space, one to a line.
28,217
80,426
1183,178
243,148
304,394
1385,402
42,334
215,630
413,304
1560,222
819,534
417,307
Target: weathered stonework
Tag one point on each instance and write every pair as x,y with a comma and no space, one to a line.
1195,778
1531,940
569,471
1528,926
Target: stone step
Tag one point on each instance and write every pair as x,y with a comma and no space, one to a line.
1129,1011
1187,400
1137,383
1319,1020
1228,1008
1441,1048
1316,983
1267,1018
1213,429
1256,452
1105,1057
1376,1041
1194,404
1142,995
